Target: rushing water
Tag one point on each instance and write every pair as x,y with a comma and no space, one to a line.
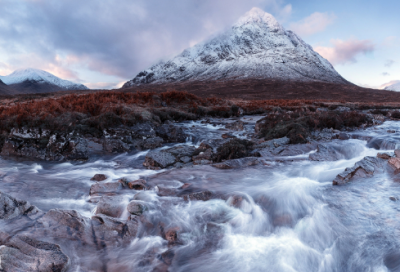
291,218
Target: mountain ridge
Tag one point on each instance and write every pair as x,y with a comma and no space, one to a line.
256,46
32,80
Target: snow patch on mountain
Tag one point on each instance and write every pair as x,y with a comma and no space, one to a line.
394,87
40,76
256,47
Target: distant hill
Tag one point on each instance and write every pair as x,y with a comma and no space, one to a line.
395,86
38,81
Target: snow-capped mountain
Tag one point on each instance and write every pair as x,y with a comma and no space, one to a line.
257,46
394,87
33,80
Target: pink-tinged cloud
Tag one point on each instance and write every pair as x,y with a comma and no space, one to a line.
383,86
316,22
344,52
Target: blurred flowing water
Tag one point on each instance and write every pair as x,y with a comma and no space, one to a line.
290,218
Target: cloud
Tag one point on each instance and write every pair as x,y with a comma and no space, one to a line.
383,86
389,63
113,39
316,22
385,74
344,52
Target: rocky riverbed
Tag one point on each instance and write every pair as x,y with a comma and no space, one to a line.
285,191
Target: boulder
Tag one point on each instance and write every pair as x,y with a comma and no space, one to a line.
237,163
171,133
22,253
110,206
111,232
164,158
394,163
136,207
65,224
384,156
397,153
364,168
115,146
139,184
149,143
236,126
99,177
11,208
105,188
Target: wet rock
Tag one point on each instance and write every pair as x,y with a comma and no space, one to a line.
391,131
161,191
99,177
139,184
111,206
171,133
203,196
171,235
105,188
65,224
202,162
237,163
143,130
186,159
343,136
22,253
364,168
283,220
234,149
167,257
384,156
115,146
334,152
158,160
11,208
394,163
150,143
397,153
227,136
111,232
273,143
204,155
392,198
236,126
53,148
136,207
168,157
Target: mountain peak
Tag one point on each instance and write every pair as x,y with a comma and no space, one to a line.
40,77
257,16
256,47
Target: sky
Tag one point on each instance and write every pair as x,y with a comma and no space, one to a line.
103,44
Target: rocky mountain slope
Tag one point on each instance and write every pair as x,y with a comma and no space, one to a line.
37,81
394,87
256,47
5,90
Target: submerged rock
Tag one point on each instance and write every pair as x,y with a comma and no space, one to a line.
237,163
99,177
236,126
164,158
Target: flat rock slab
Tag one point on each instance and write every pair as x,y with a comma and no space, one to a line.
11,208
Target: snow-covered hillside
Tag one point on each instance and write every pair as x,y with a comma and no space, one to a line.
39,76
257,46
394,87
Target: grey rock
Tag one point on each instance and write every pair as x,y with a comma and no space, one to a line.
22,253
110,206
11,208
364,168
149,143
171,133
237,163
105,188
236,126
159,159
136,207
115,146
